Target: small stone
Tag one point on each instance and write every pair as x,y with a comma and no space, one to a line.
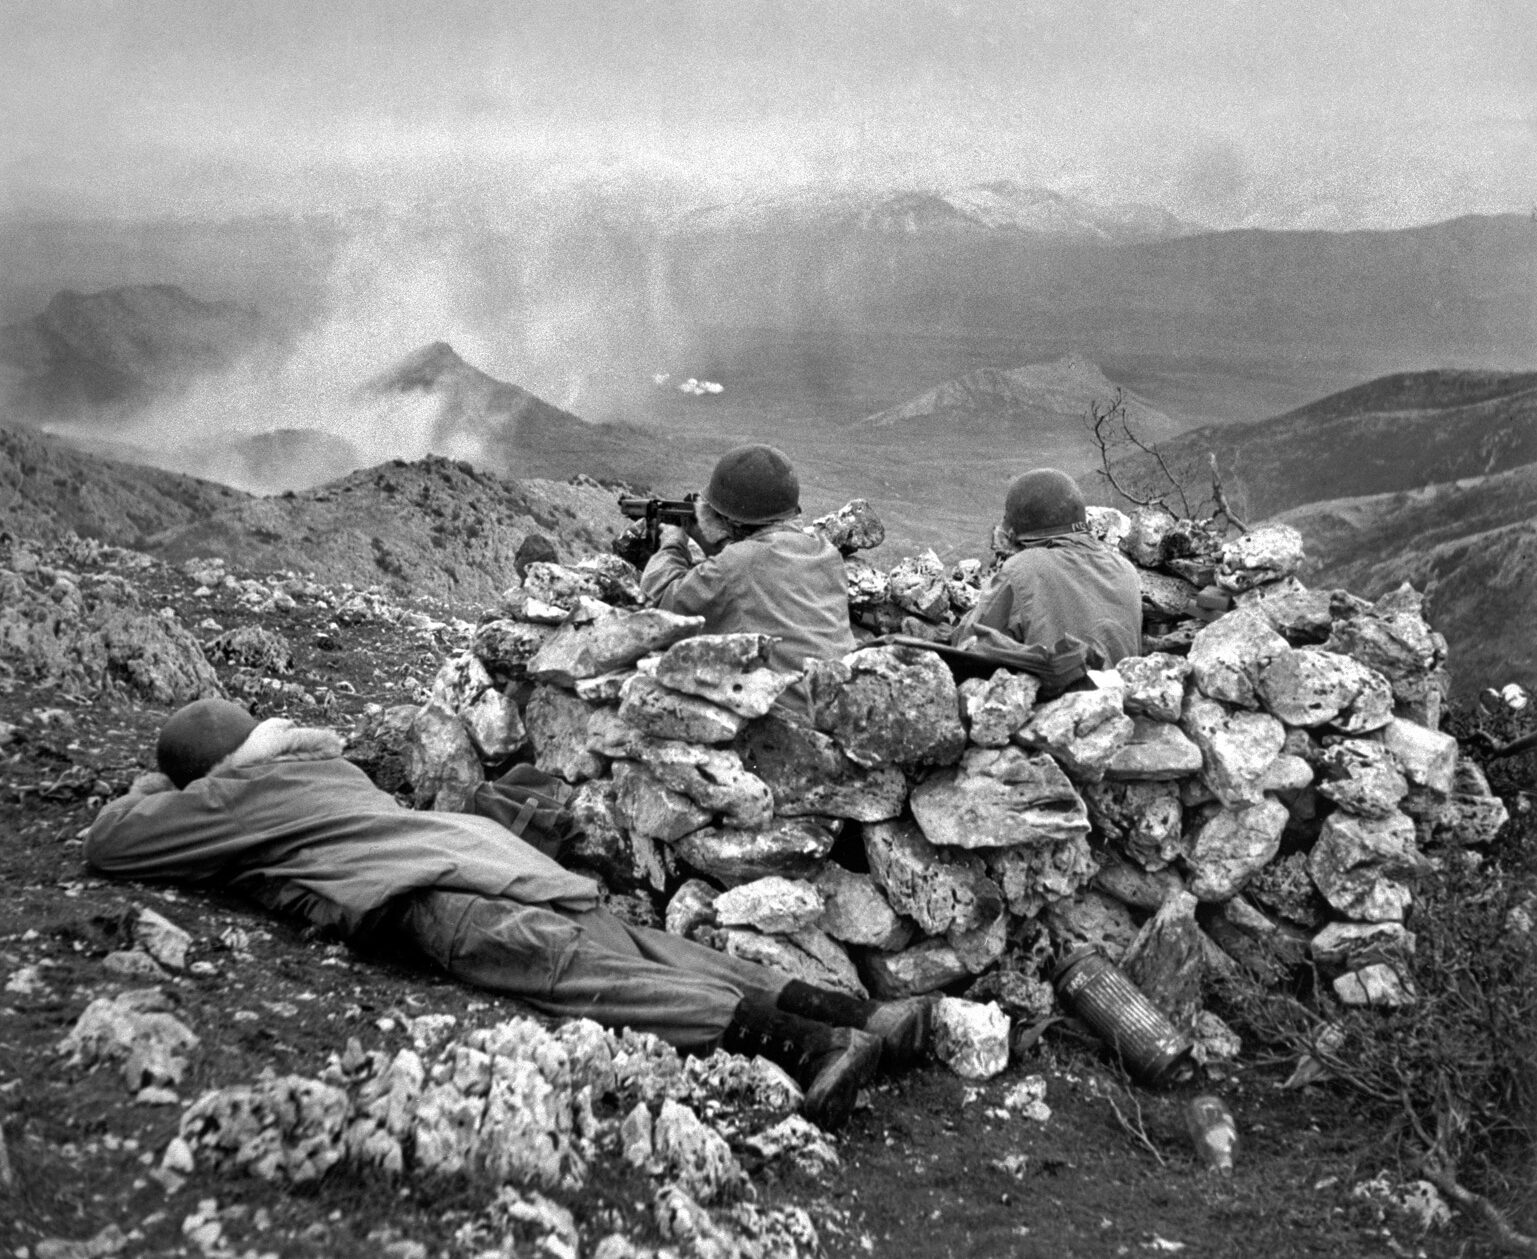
971,1039
999,797
1237,748
608,643
1082,729
1228,656
662,713
793,847
730,670
1264,554
853,527
1155,685
1428,758
926,967
889,706
856,912
995,708
1157,750
1363,866
1232,845
1377,985
774,905
1309,686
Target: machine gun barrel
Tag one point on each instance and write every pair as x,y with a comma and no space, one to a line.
665,511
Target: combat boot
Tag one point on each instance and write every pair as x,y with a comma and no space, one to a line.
902,1026
830,1063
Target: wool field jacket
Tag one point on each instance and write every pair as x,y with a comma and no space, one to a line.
285,819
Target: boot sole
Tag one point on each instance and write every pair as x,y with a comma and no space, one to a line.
831,1096
904,1036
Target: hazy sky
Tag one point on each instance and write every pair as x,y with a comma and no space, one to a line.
1274,112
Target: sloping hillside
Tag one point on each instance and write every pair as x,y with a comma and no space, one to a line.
1470,545
119,346
1396,433
499,425
432,527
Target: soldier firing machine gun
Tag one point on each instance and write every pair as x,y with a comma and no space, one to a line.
640,541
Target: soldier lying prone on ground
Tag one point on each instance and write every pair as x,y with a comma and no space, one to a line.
274,811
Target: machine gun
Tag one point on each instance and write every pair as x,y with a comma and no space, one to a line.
640,541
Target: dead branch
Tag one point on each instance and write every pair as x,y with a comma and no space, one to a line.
1219,496
1509,1240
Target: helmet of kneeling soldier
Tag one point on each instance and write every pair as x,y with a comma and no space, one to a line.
1043,503
754,485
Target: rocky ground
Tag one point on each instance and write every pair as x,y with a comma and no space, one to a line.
932,1165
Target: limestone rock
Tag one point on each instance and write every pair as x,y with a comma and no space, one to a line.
1231,846
1156,750
997,798
559,584
807,773
1363,866
730,670
252,647
1033,877
1165,597
494,725
1091,918
925,967
610,642
1349,945
691,906
663,713
617,580
1237,748
853,527
793,847
971,1039
996,707
856,912
1144,539
1394,639
773,905
807,955
644,806
1264,554
1377,985
941,891
867,585
557,725
1362,777
606,688
441,762
624,858
917,585
1460,820
1144,819
1155,685
161,938
693,1156
1133,885
1285,888
1108,524
889,706
134,1029
1309,686
1299,615
1427,757
1228,656
1269,951
1164,961
1082,729
712,778
517,604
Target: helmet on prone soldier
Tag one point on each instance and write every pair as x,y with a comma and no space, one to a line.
754,485
197,736
1043,503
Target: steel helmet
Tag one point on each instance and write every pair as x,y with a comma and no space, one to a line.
197,736
1042,503
754,485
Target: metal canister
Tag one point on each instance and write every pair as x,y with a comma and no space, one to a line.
1103,996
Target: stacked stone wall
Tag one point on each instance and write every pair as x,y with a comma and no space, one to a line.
1261,788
